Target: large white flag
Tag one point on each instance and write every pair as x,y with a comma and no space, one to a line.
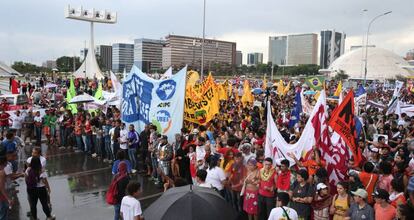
277,147
168,74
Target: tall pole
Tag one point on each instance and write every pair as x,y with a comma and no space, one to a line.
202,42
366,44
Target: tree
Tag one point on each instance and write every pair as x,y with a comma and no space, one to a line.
65,63
23,67
341,75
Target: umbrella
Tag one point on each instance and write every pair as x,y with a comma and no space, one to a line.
190,203
310,92
50,85
257,91
82,99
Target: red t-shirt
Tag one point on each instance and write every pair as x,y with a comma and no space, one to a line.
225,149
283,181
4,119
269,183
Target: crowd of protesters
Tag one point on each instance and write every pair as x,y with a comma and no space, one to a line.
225,155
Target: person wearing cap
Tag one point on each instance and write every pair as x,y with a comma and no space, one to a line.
302,193
382,207
360,209
321,202
282,211
165,155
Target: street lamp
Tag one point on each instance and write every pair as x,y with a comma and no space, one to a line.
202,42
366,43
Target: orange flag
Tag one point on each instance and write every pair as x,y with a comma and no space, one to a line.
343,122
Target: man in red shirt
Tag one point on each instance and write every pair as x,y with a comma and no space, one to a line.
231,145
284,176
267,188
4,121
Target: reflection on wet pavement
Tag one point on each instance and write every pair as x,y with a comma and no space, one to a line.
78,185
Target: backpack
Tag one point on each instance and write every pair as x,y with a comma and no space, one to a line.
112,193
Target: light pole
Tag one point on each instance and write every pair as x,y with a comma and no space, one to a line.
366,43
202,42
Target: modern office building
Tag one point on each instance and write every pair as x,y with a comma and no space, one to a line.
122,57
302,49
104,53
278,50
50,64
254,58
332,47
294,49
183,50
239,58
148,54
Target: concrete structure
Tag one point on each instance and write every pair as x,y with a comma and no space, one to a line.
294,49
383,64
89,67
122,57
278,50
50,64
104,52
332,47
302,49
148,54
239,58
182,50
254,58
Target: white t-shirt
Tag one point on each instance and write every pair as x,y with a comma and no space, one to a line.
279,214
42,161
200,152
43,175
38,119
205,185
17,121
123,137
130,208
111,133
215,176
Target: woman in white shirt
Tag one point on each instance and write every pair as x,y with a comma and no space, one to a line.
123,138
215,175
130,205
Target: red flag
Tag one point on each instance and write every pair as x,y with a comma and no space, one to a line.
342,121
14,87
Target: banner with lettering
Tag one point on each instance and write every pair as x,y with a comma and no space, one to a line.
201,102
160,102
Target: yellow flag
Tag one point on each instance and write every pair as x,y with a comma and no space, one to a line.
201,101
247,94
222,92
192,78
338,89
317,94
287,88
280,88
264,86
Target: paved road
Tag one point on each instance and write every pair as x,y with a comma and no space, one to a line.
78,184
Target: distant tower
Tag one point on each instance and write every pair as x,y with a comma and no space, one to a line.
89,67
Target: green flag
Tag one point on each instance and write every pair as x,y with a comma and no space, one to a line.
72,107
72,90
315,82
98,93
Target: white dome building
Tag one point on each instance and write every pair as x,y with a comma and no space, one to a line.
382,64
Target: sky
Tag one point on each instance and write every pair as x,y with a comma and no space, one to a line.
36,30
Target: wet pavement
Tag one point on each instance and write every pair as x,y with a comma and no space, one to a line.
78,184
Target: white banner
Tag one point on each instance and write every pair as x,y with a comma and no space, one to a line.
160,102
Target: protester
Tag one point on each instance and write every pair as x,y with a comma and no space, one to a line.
383,209
130,205
267,188
121,180
360,209
340,202
282,211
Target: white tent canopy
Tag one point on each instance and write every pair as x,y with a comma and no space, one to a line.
7,71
